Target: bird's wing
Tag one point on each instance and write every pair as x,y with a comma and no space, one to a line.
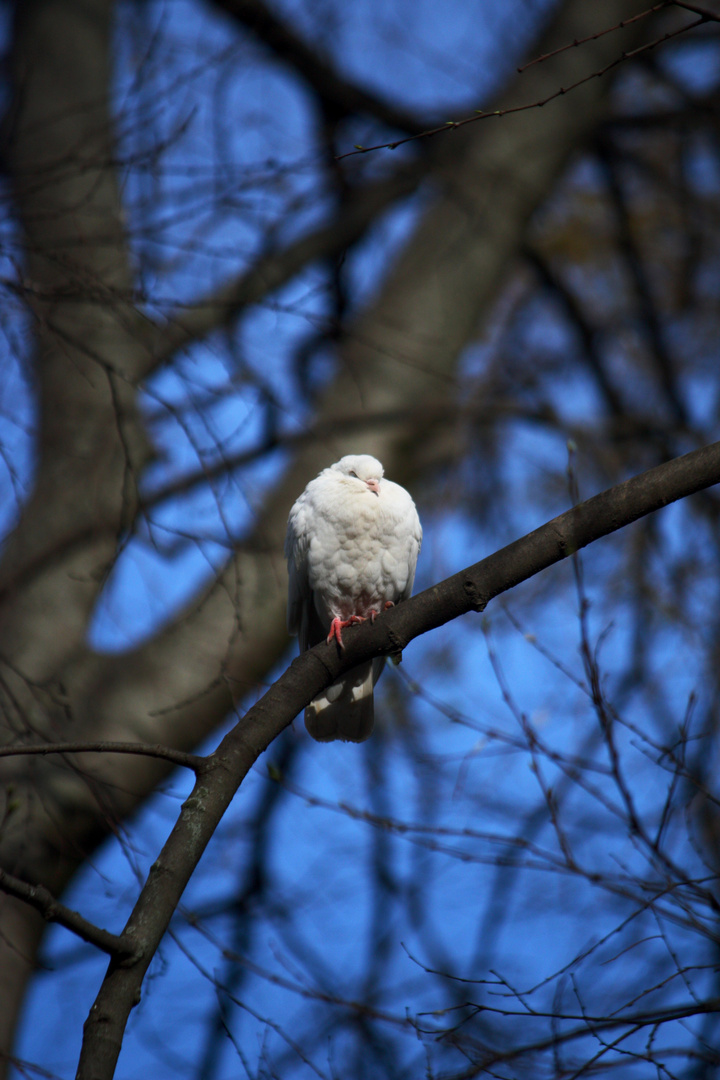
296,549
411,530
302,614
413,553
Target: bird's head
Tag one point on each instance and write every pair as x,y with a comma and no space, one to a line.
362,468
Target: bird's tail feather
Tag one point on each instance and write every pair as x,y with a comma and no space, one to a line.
345,710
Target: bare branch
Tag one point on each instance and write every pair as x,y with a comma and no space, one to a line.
594,37
53,911
481,114
339,96
590,1024
699,9
275,268
165,753
437,416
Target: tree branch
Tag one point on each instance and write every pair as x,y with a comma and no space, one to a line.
53,911
274,268
469,590
699,9
482,114
165,753
436,415
337,95
577,42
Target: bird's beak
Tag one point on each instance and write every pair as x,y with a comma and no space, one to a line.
373,485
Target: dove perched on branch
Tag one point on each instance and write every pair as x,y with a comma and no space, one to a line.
353,540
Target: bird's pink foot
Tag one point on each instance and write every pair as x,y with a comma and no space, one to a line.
336,628
338,625
374,613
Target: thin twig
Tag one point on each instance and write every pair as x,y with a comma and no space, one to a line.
176,757
593,37
480,114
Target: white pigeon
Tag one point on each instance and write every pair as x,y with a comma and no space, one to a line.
353,540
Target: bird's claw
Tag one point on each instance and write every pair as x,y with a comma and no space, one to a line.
338,625
374,613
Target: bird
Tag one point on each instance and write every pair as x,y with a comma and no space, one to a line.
352,545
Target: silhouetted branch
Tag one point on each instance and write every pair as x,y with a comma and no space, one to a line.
339,96
699,9
53,911
165,753
593,37
480,114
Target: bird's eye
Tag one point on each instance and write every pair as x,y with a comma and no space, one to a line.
353,473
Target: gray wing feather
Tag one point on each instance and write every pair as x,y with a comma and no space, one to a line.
413,557
302,616
296,546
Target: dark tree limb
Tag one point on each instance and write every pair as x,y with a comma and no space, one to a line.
337,95
699,9
224,770
652,324
53,911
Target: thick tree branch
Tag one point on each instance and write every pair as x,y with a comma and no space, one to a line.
469,590
338,96
59,156
707,13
